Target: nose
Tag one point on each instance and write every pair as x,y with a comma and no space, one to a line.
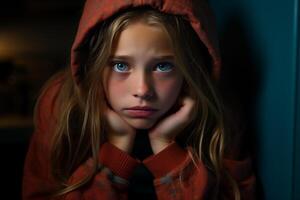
143,86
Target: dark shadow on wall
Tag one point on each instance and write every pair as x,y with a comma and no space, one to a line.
35,43
13,149
240,84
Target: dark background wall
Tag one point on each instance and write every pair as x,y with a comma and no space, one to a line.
260,48
35,38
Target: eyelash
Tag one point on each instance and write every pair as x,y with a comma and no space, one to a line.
116,63
164,64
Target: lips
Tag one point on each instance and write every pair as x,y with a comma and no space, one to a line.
140,111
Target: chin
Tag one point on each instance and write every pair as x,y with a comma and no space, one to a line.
141,123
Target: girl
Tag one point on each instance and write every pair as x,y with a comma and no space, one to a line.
139,69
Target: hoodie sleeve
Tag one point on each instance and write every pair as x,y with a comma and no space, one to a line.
111,180
177,177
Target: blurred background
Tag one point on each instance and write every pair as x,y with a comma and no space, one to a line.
35,40
260,49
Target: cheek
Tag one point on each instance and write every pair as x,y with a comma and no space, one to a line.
168,92
115,91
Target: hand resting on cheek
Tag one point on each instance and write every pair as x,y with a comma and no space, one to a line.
165,131
120,133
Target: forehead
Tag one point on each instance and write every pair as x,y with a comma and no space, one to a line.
139,37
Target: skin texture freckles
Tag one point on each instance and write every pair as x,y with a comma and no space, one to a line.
142,72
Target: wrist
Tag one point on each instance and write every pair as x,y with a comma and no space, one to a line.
124,144
158,145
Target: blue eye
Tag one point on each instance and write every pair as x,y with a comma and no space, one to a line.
120,67
164,67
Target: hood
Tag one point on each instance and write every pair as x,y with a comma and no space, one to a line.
197,12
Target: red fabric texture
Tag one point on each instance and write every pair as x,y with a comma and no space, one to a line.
176,177
197,12
166,159
123,166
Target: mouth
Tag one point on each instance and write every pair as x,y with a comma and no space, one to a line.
140,112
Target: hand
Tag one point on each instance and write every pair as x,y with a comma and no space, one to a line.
162,134
119,132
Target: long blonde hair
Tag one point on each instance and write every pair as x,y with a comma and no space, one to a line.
81,128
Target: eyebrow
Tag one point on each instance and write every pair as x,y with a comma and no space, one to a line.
156,58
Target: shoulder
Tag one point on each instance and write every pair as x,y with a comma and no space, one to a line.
45,108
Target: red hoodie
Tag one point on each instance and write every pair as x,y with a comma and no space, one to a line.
111,181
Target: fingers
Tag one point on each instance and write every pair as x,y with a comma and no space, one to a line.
119,132
116,124
173,124
187,112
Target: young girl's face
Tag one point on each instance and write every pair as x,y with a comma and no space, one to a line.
142,81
